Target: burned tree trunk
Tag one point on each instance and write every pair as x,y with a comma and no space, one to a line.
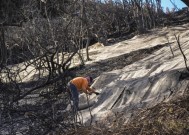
186,2
3,48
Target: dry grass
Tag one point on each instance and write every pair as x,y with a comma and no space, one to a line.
165,118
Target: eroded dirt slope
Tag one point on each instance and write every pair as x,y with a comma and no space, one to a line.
146,76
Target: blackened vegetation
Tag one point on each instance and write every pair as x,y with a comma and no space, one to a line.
45,35
10,13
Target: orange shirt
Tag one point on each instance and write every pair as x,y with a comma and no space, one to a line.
81,84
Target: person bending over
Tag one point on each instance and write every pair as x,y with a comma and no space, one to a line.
78,85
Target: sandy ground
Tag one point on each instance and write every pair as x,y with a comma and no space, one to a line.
144,83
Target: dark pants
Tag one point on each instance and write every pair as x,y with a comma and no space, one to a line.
74,95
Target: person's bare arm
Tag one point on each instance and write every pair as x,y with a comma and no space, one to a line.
86,89
92,90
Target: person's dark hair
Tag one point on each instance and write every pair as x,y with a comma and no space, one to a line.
91,79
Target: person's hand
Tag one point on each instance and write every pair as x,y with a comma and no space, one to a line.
97,93
90,93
